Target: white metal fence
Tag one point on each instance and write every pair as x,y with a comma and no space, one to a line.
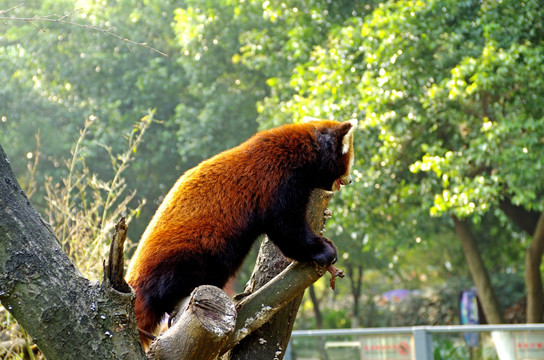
511,342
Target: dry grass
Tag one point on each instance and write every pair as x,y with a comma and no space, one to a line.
82,210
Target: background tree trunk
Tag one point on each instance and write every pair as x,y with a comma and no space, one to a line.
317,310
533,277
68,316
318,322
355,276
478,271
531,222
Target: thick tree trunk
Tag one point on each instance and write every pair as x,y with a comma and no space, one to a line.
478,271
68,316
270,342
533,277
269,263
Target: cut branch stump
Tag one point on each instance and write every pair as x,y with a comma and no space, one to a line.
200,330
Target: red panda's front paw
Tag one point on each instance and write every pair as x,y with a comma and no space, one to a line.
327,254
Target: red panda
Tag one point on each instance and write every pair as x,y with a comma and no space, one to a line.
208,221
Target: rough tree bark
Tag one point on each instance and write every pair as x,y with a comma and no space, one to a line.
478,271
259,307
253,311
114,269
68,316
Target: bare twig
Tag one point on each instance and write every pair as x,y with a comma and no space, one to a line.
60,19
11,8
30,186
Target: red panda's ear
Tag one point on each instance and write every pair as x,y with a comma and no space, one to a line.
346,132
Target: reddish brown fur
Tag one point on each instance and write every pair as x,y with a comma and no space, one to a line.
205,226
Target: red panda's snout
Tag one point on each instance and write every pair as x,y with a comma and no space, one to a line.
345,180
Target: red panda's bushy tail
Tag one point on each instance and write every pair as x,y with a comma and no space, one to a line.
147,320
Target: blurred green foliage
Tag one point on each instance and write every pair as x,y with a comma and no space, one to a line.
448,94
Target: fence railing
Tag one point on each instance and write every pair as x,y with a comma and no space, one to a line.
508,339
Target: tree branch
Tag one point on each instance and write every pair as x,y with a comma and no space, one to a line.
2,12
259,307
266,341
253,310
114,268
526,220
200,331
60,20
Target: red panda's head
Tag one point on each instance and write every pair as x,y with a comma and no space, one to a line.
336,155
